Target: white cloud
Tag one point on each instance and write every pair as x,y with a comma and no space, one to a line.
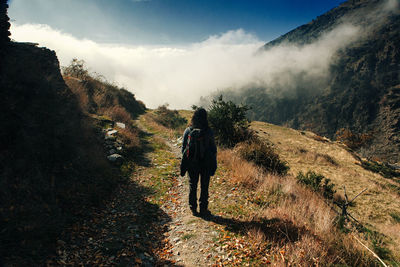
180,75
157,75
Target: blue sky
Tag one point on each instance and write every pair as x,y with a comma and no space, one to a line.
160,22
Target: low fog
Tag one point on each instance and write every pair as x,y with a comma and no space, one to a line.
180,75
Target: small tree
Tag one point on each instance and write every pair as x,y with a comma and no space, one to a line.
76,69
353,140
314,180
229,122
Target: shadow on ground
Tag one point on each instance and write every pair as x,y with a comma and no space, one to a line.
138,155
126,231
274,230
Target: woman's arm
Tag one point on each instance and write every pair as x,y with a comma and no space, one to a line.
213,147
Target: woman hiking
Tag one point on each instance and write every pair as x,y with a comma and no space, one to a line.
199,159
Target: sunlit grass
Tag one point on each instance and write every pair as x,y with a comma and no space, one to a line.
332,159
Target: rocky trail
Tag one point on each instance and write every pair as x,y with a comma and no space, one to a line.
147,222
191,238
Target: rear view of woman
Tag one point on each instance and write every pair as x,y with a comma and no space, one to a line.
199,159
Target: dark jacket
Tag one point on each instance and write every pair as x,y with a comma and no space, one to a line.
210,163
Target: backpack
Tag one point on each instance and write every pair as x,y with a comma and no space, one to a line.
196,147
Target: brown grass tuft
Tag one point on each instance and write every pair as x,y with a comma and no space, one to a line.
263,155
130,137
118,113
257,236
80,92
320,138
242,172
314,157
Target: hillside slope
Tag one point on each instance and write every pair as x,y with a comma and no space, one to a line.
304,151
362,91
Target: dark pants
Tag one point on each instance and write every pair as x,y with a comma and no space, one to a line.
204,182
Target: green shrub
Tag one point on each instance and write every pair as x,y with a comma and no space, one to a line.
262,154
229,122
169,118
395,216
378,242
318,183
383,169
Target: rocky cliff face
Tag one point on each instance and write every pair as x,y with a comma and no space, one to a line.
4,24
362,91
52,163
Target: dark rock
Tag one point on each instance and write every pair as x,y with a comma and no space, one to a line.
110,138
4,24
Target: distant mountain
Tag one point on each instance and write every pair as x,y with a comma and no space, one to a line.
362,92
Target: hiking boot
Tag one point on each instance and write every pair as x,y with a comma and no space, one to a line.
194,212
205,214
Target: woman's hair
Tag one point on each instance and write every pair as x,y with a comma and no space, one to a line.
199,119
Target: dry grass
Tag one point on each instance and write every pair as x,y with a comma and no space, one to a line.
332,160
305,223
149,120
242,172
263,155
187,114
79,90
97,96
393,230
130,137
319,158
117,113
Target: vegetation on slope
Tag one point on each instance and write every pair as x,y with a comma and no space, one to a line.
105,102
231,127
279,220
98,96
169,118
229,122
261,218
374,208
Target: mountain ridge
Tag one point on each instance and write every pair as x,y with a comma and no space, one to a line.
360,92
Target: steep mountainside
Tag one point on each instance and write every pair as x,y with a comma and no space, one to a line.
362,92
